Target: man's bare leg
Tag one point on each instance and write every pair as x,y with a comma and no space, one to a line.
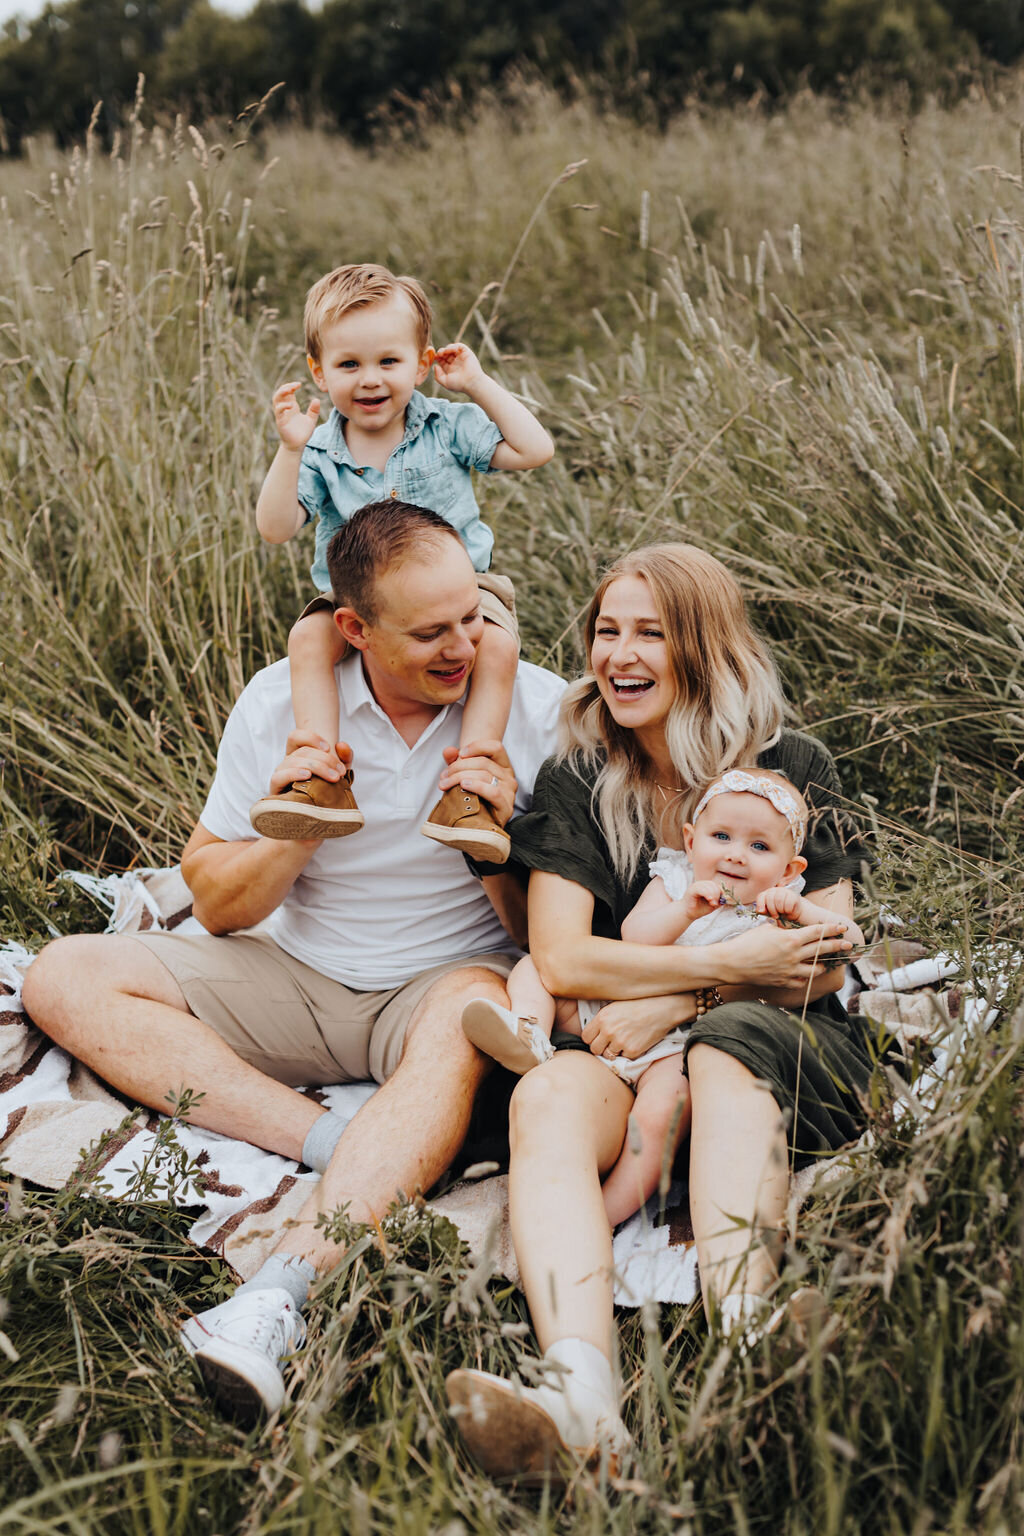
114,1006
402,1139
408,1134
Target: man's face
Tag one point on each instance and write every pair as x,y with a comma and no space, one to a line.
422,645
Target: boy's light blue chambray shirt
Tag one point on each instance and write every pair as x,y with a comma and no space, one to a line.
444,440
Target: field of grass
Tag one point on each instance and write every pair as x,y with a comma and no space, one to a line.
797,340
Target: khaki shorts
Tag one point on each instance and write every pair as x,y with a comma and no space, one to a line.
295,1025
497,603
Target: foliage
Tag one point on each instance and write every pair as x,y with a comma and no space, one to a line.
350,61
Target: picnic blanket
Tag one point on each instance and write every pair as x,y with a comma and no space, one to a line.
59,1122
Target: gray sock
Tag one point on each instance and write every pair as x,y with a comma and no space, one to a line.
322,1138
286,1272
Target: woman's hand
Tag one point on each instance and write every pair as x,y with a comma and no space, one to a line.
630,1028
781,957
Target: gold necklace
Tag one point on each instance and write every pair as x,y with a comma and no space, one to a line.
666,790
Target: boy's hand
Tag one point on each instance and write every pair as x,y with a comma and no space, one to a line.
704,896
457,368
780,901
295,427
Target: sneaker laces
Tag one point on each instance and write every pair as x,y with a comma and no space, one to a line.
263,1324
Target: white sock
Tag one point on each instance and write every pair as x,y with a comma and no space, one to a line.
321,1139
285,1272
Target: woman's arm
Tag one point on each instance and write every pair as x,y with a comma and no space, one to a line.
837,898
574,962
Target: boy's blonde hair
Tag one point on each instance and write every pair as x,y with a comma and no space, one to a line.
357,286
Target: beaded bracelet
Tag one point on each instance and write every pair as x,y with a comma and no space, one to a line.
707,998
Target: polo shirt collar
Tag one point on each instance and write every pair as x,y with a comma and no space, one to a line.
329,437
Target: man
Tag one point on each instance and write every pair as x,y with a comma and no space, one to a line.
374,942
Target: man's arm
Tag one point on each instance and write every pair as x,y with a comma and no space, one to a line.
237,884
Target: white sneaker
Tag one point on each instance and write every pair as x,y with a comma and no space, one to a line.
517,1042
533,1435
238,1345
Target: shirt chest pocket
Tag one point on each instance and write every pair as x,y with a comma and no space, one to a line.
429,485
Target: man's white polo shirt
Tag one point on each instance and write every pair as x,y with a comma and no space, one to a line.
378,907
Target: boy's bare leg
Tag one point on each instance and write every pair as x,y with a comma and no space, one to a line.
489,701
314,806
660,1111
112,1004
315,647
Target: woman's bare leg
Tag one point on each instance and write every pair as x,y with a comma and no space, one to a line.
567,1124
739,1176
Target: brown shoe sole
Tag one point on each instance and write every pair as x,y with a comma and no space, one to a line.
488,847
508,1437
284,820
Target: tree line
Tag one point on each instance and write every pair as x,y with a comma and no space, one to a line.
345,63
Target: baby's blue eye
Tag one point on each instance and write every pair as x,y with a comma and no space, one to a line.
722,836
349,363
388,362
760,847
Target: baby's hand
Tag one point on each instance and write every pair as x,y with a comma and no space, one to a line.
780,901
704,896
294,426
457,368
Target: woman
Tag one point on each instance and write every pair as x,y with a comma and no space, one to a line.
678,689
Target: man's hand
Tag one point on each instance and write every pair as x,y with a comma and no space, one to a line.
295,427
484,770
309,754
632,1027
457,368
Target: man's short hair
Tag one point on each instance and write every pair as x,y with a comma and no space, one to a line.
372,542
357,287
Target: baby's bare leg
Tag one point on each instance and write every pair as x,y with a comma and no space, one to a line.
315,647
489,702
529,997
659,1120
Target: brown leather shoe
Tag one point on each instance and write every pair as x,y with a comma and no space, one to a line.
466,823
310,808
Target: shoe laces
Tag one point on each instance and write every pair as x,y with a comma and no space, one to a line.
262,1321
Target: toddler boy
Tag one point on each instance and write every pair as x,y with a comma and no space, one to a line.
368,347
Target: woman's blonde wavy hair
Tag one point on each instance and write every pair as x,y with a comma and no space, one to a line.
728,708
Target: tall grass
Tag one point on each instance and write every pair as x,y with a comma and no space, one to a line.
795,340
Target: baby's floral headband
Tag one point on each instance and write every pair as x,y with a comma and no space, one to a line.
739,782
